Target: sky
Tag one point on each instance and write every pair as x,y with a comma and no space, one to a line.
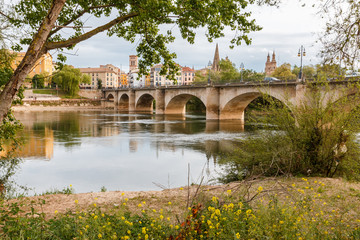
285,29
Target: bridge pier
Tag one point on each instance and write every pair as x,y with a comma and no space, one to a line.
212,103
159,101
116,100
132,106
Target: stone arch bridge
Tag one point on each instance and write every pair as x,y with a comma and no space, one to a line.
221,101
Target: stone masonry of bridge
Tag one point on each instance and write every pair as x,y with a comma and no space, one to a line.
221,101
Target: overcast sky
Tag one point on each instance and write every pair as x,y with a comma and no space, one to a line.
285,29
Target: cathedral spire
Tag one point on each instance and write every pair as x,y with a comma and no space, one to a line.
273,57
216,62
268,58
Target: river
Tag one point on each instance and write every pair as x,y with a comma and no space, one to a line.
129,152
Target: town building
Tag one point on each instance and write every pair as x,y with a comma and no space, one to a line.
270,66
187,76
134,79
44,64
133,62
162,80
109,75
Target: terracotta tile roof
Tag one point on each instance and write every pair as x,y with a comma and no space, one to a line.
187,69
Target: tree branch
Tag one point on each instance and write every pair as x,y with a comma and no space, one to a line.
73,41
80,14
35,50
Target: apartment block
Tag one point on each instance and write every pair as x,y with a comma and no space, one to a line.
108,75
185,76
44,64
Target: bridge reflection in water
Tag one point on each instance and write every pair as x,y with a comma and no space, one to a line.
43,129
90,149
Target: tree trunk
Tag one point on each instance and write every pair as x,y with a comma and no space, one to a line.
34,52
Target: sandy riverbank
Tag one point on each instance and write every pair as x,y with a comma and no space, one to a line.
63,105
36,108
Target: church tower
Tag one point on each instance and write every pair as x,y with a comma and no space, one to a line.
216,63
270,66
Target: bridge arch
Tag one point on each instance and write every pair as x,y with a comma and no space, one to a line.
123,102
145,103
110,97
177,104
235,107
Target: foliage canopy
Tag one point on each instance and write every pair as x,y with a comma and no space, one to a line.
70,78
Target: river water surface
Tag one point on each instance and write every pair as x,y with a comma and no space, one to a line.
92,149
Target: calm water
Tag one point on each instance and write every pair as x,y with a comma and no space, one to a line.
91,149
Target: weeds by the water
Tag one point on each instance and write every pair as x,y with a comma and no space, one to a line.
305,209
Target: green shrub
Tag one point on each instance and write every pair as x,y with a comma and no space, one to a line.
316,137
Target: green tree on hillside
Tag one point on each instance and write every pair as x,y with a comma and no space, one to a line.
283,72
69,79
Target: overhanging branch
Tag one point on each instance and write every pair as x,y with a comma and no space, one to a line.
80,14
85,36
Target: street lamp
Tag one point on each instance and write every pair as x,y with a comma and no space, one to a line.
242,68
301,53
209,67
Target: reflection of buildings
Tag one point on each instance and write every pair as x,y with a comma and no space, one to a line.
133,145
35,146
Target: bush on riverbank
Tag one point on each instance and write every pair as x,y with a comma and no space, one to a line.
314,138
271,209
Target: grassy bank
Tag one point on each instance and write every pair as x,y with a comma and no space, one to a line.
59,93
271,208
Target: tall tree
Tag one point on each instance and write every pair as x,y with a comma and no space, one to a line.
326,71
283,72
341,38
69,79
43,20
37,81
